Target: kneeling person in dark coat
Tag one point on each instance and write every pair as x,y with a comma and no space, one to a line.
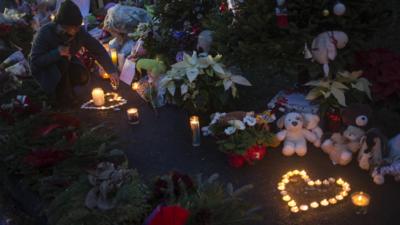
52,59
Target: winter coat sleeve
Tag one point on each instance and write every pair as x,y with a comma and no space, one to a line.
41,55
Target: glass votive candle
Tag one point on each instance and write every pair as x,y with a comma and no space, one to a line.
135,86
195,127
133,116
361,201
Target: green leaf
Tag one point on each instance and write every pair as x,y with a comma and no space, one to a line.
339,95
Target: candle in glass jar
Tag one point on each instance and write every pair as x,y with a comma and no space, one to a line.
98,97
133,115
135,86
105,75
114,56
360,199
195,127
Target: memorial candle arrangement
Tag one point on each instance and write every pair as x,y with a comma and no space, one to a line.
195,127
314,184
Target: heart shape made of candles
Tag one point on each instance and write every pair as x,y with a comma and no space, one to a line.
295,207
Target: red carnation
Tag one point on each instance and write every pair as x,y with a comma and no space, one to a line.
236,161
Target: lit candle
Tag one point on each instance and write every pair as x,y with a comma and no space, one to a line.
105,75
324,202
114,56
340,181
98,97
292,203
281,187
135,86
314,205
285,181
325,182
304,207
133,116
284,193
296,172
332,201
294,209
290,173
361,201
318,182
195,126
303,173
332,180
339,197
52,17
286,198
310,183
344,193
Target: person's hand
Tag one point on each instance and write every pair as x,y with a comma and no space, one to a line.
114,78
64,51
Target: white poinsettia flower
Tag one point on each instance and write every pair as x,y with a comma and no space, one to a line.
250,120
192,73
237,124
206,131
230,130
216,117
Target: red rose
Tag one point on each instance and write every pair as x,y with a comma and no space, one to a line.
236,161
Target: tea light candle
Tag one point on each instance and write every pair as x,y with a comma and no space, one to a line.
133,116
340,181
304,207
292,203
286,198
303,173
284,193
361,201
332,180
314,205
324,202
310,183
98,97
344,193
294,209
332,201
105,75
281,187
325,182
318,182
114,56
296,172
285,181
195,126
339,197
135,86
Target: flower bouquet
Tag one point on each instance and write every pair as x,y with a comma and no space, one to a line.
244,136
200,82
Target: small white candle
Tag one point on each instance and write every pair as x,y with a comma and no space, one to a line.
324,202
332,201
284,193
318,182
340,181
314,205
286,198
303,173
332,180
296,172
98,97
339,197
326,182
294,209
304,207
292,203
344,193
285,181
310,183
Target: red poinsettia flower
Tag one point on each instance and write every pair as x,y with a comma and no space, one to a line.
42,158
256,152
236,161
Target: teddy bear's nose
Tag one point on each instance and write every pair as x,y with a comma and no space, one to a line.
294,123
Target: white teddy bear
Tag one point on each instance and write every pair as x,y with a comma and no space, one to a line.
312,124
294,134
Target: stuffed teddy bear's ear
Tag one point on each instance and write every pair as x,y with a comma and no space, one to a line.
310,121
281,122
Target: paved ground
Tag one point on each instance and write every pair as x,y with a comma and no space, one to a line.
161,144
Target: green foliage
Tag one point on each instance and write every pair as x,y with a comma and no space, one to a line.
69,207
253,37
181,16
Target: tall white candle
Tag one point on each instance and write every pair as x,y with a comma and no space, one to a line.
98,96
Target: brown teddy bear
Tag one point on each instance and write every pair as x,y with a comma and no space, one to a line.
340,148
358,115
